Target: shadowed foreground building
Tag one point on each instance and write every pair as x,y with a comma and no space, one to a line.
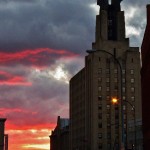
145,75
59,138
95,123
2,133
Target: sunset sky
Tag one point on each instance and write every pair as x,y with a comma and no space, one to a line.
42,45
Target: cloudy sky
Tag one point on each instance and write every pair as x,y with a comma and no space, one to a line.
42,45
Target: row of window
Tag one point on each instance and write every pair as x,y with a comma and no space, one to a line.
132,80
115,71
123,97
123,89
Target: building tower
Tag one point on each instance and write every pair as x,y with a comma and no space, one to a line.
95,123
145,74
2,129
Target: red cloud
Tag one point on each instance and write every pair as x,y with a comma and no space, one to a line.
10,79
39,57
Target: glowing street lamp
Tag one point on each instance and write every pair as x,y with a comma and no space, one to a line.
114,100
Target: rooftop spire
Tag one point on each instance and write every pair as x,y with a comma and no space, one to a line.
103,4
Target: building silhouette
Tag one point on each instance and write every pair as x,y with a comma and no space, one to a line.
112,69
59,138
2,133
145,75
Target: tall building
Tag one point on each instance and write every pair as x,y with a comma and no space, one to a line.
112,69
59,138
145,76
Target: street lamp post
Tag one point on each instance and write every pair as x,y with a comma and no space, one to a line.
121,92
134,116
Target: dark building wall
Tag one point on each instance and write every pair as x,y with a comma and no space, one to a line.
59,138
145,78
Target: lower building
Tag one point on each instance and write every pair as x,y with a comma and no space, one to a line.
59,138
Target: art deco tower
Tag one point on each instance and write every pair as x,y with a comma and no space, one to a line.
95,123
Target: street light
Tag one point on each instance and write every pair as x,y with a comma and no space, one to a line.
134,116
114,100
121,92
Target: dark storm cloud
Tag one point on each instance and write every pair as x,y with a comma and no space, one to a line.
46,23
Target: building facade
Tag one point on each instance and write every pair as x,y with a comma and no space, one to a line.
145,74
59,138
112,69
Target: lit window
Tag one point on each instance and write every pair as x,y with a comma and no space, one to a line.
132,80
132,71
123,71
124,98
124,107
123,80
123,89
108,106
99,88
132,89
132,98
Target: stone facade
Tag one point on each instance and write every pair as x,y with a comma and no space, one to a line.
95,123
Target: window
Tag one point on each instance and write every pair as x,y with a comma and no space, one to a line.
123,80
115,71
124,107
99,79
108,135
100,116
132,80
123,97
107,80
99,98
107,89
108,116
99,88
108,125
99,70
110,22
107,71
132,98
99,106
100,125
99,135
99,146
123,71
132,71
132,89
108,97
123,89
116,80
108,106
